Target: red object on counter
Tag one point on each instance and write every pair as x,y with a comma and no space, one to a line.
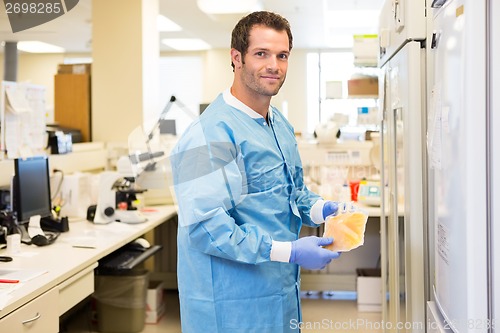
354,184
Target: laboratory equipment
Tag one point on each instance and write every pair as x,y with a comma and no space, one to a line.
402,38
327,133
148,156
117,194
369,189
462,147
345,193
369,192
144,169
327,168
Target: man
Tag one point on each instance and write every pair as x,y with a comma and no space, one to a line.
242,201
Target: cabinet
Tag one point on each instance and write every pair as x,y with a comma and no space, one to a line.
38,316
72,102
41,315
76,288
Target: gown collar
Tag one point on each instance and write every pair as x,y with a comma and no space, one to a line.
236,103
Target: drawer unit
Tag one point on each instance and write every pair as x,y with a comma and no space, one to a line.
76,288
38,316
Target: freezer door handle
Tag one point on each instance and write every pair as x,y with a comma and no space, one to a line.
399,14
438,3
435,40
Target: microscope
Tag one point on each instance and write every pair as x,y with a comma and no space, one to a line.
146,164
117,194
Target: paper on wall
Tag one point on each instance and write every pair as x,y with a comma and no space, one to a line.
23,119
16,102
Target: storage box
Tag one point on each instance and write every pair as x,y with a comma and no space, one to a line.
155,305
365,50
73,69
334,89
369,290
153,316
363,87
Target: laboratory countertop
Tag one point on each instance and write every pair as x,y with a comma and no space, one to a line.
374,211
78,249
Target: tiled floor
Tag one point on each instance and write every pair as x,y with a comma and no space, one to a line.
327,315
319,315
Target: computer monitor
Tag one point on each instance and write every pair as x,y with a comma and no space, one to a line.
31,188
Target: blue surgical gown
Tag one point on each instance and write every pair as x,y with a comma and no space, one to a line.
239,185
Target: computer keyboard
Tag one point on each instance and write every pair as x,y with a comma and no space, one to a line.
126,259
121,260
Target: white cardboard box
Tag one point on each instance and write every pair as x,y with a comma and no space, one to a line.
369,289
155,306
153,316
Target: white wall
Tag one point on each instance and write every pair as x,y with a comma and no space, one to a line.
294,91
218,73
125,62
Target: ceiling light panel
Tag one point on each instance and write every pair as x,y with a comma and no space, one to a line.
39,47
229,6
165,24
186,44
353,4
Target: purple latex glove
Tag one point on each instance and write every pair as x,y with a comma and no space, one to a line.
330,208
308,253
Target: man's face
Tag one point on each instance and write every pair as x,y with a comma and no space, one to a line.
263,69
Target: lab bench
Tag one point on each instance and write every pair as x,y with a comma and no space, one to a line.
69,270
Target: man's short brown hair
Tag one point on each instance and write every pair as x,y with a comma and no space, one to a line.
241,32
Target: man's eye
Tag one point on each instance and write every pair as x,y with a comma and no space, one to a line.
260,54
283,56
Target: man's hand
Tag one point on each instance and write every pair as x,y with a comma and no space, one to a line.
308,253
330,208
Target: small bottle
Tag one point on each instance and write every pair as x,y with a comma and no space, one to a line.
345,193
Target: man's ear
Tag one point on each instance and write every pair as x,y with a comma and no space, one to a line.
236,58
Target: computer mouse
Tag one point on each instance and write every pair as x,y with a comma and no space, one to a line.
142,243
40,240
43,240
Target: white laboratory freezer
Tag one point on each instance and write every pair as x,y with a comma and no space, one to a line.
403,70
464,164
440,139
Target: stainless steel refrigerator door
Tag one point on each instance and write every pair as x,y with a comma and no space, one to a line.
403,234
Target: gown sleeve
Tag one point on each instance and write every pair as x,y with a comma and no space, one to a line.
305,198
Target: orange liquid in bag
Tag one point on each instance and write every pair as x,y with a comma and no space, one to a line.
347,230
